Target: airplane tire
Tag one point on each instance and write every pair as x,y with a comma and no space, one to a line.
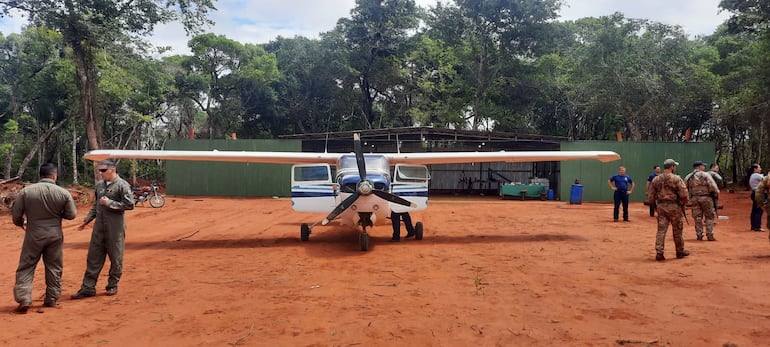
364,240
418,231
304,232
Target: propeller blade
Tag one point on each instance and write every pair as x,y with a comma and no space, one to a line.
359,150
341,208
393,198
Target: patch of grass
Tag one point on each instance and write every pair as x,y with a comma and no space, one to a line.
478,282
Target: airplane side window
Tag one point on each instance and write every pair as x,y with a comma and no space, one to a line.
311,173
412,173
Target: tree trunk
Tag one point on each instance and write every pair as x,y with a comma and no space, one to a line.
32,151
367,101
16,111
84,63
74,155
85,69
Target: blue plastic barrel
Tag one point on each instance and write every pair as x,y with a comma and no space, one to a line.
550,194
576,194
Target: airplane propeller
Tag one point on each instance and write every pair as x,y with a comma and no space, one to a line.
364,187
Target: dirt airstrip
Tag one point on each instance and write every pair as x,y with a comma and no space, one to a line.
232,272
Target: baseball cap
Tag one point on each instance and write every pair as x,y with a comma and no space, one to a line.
670,163
698,163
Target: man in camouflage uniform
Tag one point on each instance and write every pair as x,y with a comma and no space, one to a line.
703,191
762,196
113,198
669,194
714,172
44,204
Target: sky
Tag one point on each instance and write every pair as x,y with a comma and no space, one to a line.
261,21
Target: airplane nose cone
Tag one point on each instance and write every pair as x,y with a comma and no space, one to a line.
365,188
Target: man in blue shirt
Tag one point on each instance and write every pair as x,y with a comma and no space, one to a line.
623,185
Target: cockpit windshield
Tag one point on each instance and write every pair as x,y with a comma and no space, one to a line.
374,162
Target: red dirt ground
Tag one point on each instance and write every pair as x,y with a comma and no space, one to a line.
217,271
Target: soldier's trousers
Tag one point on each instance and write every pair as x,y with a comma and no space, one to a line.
50,249
107,240
703,210
669,213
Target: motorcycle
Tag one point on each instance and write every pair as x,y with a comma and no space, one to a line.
149,193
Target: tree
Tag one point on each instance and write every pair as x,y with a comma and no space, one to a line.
376,37
24,59
88,26
750,26
635,77
490,36
309,94
229,81
439,94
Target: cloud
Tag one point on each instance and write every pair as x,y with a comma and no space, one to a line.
696,17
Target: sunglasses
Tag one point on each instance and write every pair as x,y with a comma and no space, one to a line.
103,170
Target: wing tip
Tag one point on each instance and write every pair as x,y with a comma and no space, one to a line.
95,156
606,158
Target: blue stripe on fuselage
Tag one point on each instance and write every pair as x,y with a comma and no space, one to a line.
311,194
423,193
311,191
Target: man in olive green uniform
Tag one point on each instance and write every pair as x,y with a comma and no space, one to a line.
669,194
44,204
703,191
113,198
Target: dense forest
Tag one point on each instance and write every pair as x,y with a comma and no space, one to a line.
83,76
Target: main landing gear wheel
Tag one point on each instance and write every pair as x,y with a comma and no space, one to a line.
304,232
364,240
418,231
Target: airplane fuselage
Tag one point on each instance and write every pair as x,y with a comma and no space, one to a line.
322,195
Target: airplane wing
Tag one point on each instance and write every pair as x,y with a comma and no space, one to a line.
331,158
219,156
511,157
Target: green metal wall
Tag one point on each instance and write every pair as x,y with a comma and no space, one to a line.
229,179
637,157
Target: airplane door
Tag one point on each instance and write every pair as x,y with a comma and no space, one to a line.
411,183
312,188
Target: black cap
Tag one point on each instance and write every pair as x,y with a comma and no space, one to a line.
698,163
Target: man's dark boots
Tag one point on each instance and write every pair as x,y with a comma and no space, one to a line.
682,254
81,294
660,257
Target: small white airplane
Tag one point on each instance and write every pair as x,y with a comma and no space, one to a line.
362,192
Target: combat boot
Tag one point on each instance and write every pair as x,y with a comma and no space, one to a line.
700,237
81,294
660,257
682,254
711,238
